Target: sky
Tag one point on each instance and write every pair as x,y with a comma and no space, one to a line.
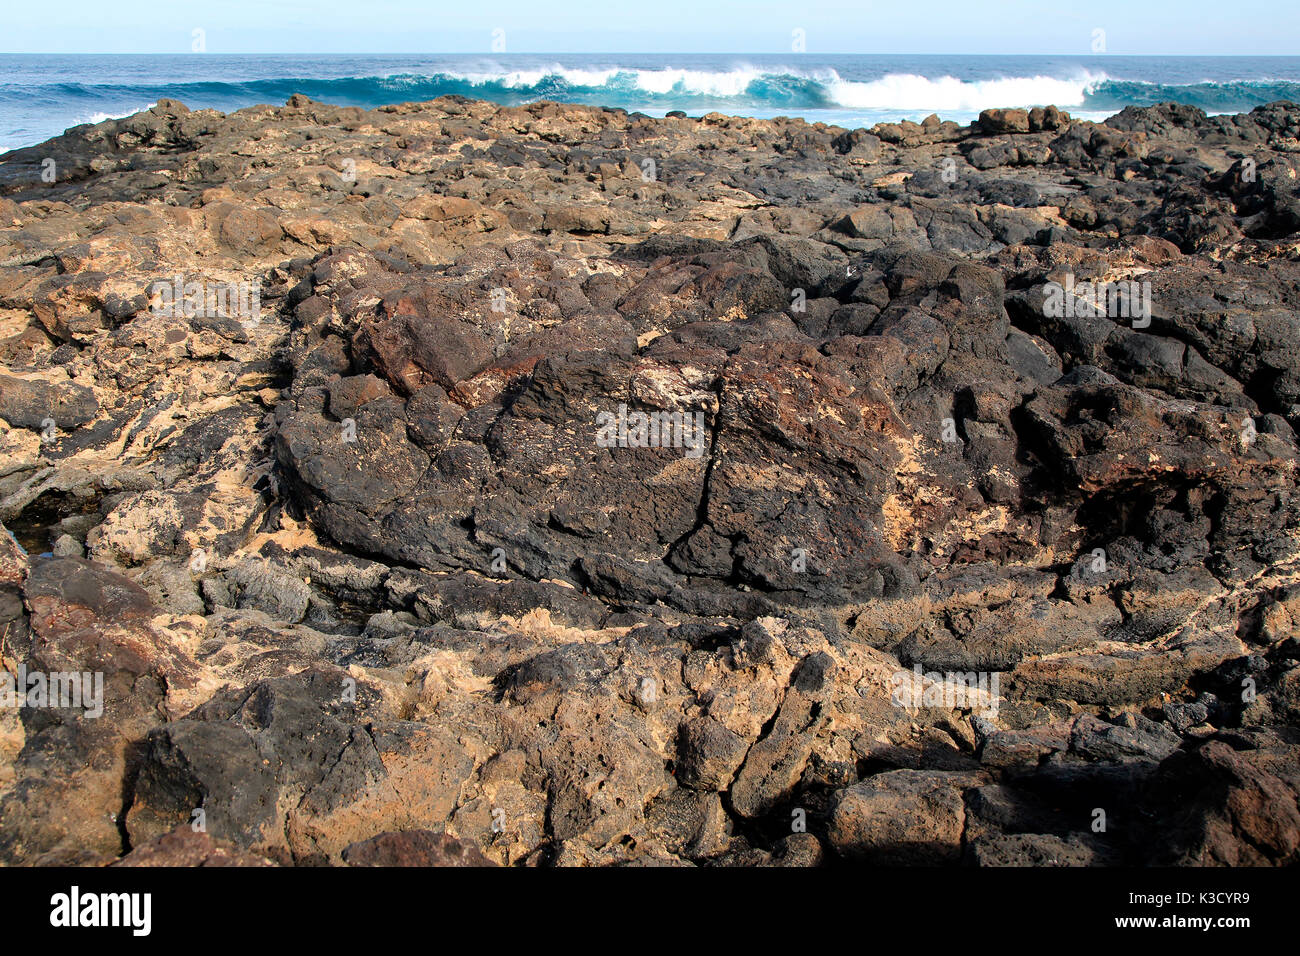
1050,27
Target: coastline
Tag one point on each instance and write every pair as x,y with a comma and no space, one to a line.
369,509
39,96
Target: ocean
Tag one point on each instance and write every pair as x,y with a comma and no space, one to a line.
41,95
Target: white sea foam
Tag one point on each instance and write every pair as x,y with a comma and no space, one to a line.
698,82
100,117
907,91
897,91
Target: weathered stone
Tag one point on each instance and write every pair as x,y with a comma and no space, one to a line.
566,515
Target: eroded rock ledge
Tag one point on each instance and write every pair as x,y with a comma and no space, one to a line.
365,588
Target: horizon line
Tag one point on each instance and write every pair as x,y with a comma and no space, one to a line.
489,53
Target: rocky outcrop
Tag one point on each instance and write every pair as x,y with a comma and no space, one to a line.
453,484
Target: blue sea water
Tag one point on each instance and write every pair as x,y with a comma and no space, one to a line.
41,95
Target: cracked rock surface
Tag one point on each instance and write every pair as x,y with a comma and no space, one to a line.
914,568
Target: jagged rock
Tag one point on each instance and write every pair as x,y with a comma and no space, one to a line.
994,122
909,816
186,846
1033,849
1230,803
368,583
92,628
28,404
413,848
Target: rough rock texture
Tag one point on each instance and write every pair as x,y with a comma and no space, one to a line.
186,846
414,848
365,588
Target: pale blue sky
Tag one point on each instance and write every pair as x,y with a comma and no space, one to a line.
1156,27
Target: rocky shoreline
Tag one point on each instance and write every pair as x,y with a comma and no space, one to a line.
945,510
